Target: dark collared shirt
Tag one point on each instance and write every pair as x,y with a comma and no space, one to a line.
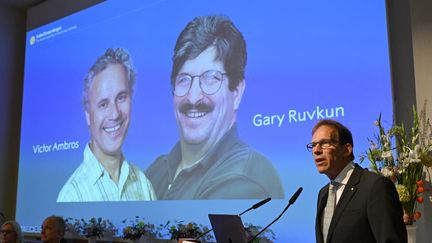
231,170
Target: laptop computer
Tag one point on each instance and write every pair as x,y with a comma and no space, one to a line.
228,228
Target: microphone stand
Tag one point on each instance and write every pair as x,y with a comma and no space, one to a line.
291,202
253,238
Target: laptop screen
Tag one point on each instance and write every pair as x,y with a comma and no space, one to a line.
228,228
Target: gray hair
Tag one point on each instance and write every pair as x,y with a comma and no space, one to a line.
111,56
17,229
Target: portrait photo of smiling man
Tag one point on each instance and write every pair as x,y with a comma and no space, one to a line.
211,161
105,175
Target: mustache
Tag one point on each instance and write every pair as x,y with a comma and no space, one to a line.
201,106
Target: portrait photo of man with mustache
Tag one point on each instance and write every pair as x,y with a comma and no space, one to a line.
210,161
104,174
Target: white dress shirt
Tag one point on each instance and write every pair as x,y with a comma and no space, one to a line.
91,182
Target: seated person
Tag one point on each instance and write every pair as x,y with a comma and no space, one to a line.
53,229
10,232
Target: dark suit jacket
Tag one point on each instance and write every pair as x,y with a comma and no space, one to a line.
368,211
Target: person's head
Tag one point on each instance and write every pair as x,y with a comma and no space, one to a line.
208,78
10,232
53,229
331,146
107,94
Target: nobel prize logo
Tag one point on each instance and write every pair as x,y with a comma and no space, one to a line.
32,40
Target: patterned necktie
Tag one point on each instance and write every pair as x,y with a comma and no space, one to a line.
329,209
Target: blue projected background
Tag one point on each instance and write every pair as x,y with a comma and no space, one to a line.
307,60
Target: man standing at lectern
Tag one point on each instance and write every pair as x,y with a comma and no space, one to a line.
210,161
357,205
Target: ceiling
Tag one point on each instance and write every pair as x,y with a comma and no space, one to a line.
20,4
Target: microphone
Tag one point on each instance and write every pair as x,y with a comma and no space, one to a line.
290,202
295,196
255,206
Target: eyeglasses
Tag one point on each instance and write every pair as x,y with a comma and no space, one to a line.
6,232
210,82
323,143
